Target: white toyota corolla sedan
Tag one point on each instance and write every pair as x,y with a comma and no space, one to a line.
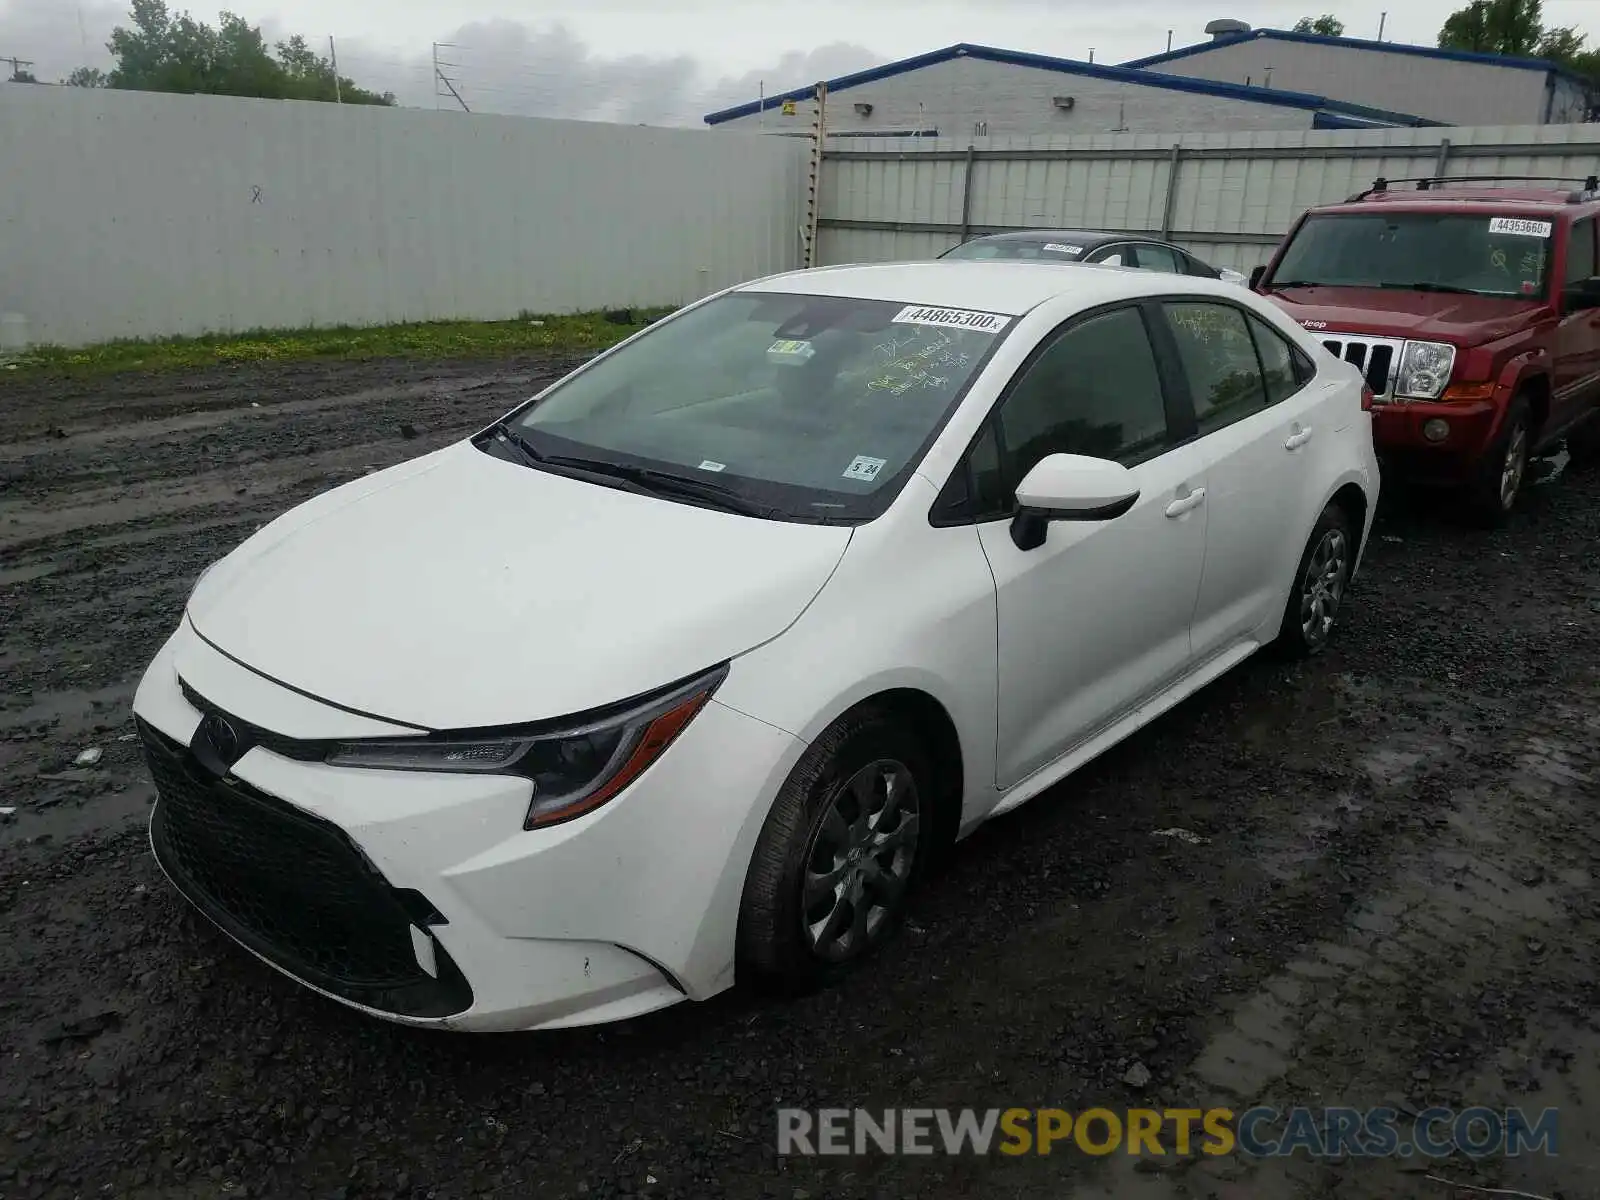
689,666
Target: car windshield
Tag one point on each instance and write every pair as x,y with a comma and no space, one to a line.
1060,249
813,407
1481,253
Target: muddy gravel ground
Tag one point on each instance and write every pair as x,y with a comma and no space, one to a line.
1390,899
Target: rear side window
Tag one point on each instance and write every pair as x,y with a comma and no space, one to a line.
1219,359
1158,258
1278,368
1580,252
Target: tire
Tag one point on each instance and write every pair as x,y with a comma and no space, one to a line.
1320,582
1494,493
790,946
1583,444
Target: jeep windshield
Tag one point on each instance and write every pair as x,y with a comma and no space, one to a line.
1481,254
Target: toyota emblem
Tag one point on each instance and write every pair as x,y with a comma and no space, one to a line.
224,738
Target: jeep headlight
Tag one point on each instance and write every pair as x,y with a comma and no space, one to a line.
1424,370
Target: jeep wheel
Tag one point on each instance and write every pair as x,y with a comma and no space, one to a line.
1494,493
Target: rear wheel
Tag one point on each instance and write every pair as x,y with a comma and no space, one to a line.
838,855
1495,491
1320,582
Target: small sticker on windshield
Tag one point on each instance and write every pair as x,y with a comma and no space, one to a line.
791,353
708,465
951,318
1061,249
864,468
1519,227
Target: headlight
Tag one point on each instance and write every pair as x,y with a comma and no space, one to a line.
1424,370
573,770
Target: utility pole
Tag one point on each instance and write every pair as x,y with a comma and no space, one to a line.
1169,41
333,55
440,77
1383,19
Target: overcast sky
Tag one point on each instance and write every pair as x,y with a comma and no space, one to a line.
668,62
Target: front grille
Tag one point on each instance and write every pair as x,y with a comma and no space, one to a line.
1378,359
294,888
255,735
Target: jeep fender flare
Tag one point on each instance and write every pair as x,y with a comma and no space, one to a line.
1519,371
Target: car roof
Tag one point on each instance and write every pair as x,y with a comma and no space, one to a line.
1087,238
1009,288
1545,201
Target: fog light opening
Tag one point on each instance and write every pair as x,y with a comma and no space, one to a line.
1436,429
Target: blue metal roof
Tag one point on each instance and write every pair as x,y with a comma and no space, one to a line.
1287,35
1067,66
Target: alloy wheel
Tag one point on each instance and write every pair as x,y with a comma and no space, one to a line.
1514,467
860,861
1322,587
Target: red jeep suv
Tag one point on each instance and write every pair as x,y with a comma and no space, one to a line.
1474,312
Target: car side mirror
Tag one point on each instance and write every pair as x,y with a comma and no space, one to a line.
1581,296
1070,487
1256,275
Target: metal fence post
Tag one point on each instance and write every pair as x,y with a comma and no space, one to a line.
966,193
1444,157
1172,191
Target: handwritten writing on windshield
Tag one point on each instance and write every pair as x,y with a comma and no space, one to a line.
914,363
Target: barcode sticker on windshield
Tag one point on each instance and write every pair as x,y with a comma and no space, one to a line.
1060,249
1521,228
951,318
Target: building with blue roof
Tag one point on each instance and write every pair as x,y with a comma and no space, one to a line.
1448,86
968,90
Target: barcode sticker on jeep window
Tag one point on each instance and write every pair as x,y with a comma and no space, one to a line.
951,318
1520,228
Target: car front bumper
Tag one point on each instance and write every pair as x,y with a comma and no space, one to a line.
1397,433
419,897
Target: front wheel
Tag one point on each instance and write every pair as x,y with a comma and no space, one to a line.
837,857
1494,493
1320,582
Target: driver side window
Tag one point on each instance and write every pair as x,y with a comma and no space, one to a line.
1095,390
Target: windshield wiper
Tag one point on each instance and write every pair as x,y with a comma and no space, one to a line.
516,441
1278,287
665,483
1447,288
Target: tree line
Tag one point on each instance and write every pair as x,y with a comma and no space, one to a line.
1510,27
162,52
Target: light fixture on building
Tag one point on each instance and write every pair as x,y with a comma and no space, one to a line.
863,109
1064,103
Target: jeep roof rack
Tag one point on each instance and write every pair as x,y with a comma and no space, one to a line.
1426,183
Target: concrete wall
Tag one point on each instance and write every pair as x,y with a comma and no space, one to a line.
1458,93
1227,197
952,97
143,215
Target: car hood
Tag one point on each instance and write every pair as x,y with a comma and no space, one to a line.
1425,316
459,590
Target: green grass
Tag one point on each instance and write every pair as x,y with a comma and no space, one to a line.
557,335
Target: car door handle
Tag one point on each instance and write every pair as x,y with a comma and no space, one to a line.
1192,501
1296,440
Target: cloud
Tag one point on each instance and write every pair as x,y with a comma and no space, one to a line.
507,67
500,66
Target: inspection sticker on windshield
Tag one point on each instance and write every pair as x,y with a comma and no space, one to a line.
951,318
791,352
1060,249
708,465
864,468
1521,228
